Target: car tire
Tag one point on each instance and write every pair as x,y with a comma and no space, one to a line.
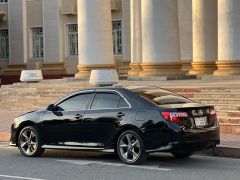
182,154
130,148
29,142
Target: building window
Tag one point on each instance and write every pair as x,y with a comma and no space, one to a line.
117,37
4,46
3,1
72,39
37,42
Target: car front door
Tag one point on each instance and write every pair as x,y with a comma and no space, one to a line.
108,110
63,125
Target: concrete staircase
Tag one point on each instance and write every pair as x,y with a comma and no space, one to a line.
28,96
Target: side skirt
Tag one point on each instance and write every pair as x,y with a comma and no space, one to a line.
77,148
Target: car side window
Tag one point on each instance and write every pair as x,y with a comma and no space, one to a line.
122,103
75,103
105,100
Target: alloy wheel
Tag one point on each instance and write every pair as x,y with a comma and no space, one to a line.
28,142
129,147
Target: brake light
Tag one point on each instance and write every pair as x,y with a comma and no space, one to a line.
174,116
213,114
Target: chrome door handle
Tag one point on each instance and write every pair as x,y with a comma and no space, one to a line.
120,114
78,116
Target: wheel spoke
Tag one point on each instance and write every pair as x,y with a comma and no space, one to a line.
24,134
136,144
23,144
33,143
125,155
129,138
135,155
28,150
31,135
123,145
32,148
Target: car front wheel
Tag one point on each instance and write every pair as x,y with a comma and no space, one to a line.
29,142
130,148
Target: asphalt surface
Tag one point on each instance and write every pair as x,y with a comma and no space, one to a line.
67,165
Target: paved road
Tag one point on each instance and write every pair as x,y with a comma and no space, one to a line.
65,165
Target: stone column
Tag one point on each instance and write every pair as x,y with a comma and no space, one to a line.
18,55
160,39
204,37
185,33
94,37
136,38
53,38
228,38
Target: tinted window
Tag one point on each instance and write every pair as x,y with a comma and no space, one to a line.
105,100
122,103
160,96
78,102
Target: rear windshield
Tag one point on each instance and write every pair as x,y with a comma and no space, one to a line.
161,97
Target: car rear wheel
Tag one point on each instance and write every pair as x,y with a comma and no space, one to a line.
130,148
29,142
182,154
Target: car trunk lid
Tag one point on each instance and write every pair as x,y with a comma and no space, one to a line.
198,115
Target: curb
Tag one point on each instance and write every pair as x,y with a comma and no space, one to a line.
224,151
4,137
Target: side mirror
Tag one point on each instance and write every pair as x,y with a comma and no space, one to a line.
51,107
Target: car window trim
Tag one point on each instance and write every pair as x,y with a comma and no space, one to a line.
76,94
114,92
120,101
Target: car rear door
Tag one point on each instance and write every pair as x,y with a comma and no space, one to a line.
108,110
63,126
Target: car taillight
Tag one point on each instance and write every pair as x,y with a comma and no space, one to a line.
174,116
213,114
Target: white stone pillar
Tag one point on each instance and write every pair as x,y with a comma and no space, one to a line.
136,38
94,37
53,38
18,56
185,33
160,39
228,38
204,36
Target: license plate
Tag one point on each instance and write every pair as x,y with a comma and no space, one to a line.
200,121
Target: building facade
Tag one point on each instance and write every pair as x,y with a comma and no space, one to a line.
43,34
140,38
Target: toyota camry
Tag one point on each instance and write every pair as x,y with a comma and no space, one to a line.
131,122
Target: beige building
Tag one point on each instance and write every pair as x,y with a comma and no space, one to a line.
141,38
43,34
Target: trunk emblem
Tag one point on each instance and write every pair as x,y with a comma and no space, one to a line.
197,112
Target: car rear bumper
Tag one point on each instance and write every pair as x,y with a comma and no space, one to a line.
193,140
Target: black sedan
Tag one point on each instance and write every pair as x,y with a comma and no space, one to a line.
131,122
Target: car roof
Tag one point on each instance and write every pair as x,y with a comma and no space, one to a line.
114,88
120,88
